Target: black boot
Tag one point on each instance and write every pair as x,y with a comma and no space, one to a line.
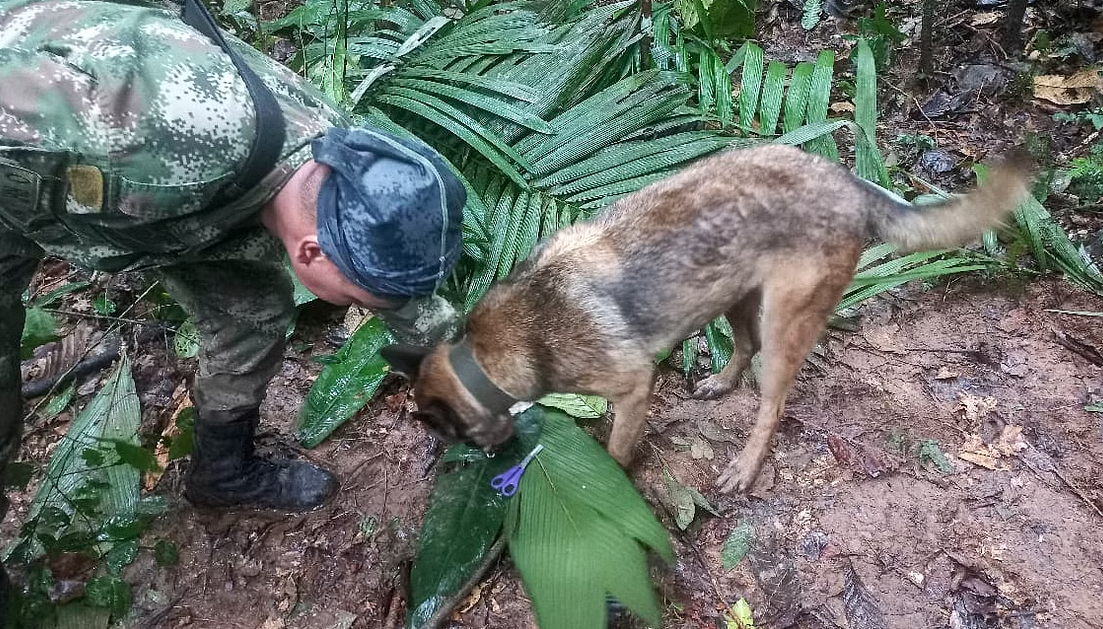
225,472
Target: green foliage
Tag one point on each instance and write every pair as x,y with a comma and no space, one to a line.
1086,176
59,402
873,279
1051,247
576,528
103,306
714,19
909,146
685,501
346,384
1094,117
185,343
580,406
55,295
870,165
181,445
165,553
740,616
813,9
928,452
39,328
689,356
581,532
88,503
736,545
463,521
881,34
718,334
110,592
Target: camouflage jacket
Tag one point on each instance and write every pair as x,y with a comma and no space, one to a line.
118,126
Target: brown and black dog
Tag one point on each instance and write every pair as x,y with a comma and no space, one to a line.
770,229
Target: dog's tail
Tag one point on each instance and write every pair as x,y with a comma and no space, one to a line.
955,221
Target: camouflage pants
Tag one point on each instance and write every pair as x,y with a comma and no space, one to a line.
18,259
242,309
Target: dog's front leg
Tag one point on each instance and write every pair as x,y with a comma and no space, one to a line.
630,420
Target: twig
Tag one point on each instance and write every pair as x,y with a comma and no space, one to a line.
1079,348
1080,147
1076,490
438,618
94,316
112,328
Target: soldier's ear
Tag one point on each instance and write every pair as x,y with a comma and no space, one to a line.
404,359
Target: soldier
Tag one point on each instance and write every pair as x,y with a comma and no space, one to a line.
126,142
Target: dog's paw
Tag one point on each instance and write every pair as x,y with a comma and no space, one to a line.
712,387
738,476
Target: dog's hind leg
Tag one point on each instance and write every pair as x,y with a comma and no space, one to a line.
630,420
796,303
746,337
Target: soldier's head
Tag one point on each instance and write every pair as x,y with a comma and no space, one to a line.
387,214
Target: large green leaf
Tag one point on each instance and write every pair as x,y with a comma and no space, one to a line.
346,384
582,532
112,416
39,328
869,163
463,520
819,100
751,84
84,478
922,265
575,405
718,18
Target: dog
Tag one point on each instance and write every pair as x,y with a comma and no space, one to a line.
770,229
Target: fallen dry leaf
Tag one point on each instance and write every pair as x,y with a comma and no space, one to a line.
842,107
161,452
1075,89
991,455
945,373
355,317
975,407
986,18
700,449
872,461
472,600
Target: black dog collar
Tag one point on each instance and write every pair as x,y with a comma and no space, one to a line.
472,376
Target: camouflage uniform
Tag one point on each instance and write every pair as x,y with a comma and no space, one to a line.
119,125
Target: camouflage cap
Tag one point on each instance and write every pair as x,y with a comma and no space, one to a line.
389,213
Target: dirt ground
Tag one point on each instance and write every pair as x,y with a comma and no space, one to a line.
850,525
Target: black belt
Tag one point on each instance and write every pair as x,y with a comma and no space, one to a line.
270,132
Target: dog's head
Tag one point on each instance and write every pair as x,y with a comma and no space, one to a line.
446,407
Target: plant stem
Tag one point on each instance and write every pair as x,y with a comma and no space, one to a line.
444,611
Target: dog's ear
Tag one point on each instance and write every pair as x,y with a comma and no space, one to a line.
404,359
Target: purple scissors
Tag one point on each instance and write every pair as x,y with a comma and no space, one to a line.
506,483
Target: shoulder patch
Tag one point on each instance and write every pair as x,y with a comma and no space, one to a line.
86,188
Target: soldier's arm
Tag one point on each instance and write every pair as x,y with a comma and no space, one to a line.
424,322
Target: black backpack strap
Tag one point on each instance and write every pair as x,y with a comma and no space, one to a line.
270,131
